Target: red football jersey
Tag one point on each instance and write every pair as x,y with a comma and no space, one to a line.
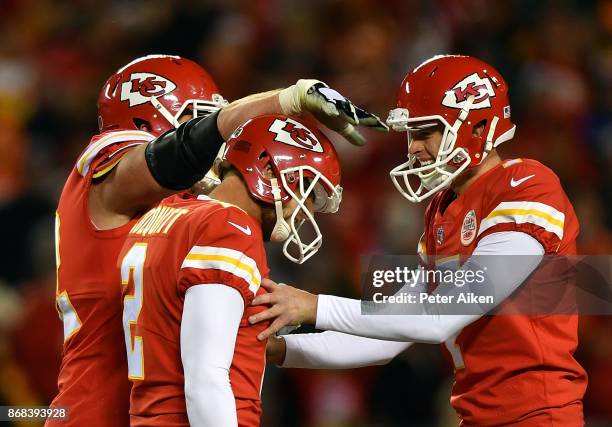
511,369
92,381
188,241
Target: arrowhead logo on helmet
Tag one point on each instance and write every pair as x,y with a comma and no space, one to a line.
144,86
269,153
472,85
291,132
156,90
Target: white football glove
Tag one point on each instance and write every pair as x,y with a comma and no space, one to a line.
330,108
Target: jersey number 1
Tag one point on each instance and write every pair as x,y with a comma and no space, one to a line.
455,351
132,267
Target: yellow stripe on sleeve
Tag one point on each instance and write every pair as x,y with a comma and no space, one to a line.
225,259
112,138
522,212
513,212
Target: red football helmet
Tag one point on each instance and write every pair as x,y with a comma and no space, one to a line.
458,92
156,89
303,162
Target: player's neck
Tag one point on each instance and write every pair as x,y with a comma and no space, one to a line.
233,190
467,178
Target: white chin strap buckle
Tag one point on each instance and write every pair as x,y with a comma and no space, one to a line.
281,230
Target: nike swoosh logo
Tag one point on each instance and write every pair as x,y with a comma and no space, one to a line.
514,183
246,230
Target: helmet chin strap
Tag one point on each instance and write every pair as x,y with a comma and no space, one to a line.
164,112
433,181
281,230
438,178
463,113
489,141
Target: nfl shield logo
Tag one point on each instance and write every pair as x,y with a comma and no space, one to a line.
440,235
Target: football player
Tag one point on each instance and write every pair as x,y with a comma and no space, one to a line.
192,266
509,369
162,123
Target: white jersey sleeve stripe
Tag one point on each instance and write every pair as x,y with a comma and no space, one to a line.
225,259
536,213
87,157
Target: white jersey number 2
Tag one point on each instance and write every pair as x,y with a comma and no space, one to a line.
132,267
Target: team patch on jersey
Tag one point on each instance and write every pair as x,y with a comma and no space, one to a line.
468,228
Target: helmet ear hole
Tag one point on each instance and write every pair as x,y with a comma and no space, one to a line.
268,172
265,165
479,127
141,124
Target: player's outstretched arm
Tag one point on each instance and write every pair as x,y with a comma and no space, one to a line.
331,350
327,105
291,306
178,159
211,317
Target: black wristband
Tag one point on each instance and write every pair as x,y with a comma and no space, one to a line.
181,157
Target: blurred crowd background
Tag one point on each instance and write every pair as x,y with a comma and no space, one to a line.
55,56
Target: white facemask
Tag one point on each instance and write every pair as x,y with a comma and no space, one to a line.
438,174
327,199
198,106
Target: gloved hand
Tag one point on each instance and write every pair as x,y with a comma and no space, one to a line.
330,108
